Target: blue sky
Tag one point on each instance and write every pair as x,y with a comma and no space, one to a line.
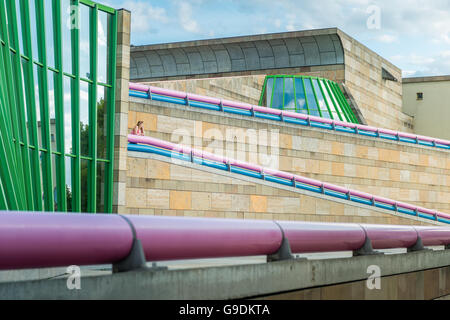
413,34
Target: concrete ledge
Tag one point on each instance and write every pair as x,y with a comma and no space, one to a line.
228,282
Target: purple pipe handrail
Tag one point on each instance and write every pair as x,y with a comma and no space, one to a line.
285,175
35,240
246,106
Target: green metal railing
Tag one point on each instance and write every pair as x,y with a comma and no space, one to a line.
309,95
57,92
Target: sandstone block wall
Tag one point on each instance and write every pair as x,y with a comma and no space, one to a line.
401,171
380,101
158,186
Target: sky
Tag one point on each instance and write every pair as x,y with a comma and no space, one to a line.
414,35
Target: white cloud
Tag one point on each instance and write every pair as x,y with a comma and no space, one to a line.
186,19
420,65
145,17
387,38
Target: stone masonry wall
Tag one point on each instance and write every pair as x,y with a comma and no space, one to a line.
380,101
245,88
157,186
401,171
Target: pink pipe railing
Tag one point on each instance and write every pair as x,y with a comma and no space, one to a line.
245,106
208,156
34,240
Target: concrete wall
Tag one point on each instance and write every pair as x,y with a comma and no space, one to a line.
432,114
380,101
421,285
417,275
401,171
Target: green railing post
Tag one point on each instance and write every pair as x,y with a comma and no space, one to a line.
111,117
17,171
47,174
31,105
92,167
59,108
76,161
25,154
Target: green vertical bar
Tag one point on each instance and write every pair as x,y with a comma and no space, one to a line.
284,83
20,106
306,96
273,90
76,161
315,97
92,177
338,111
59,108
47,174
14,124
295,93
344,111
9,196
263,92
325,98
3,204
6,149
109,186
346,105
31,105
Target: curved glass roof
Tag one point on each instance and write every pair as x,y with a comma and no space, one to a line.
309,95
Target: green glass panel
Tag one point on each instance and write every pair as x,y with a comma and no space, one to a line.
84,186
19,25
49,38
334,111
104,36
300,96
102,121
84,118
312,104
33,25
101,179
51,108
69,183
289,99
85,46
277,100
268,96
68,20
320,99
68,115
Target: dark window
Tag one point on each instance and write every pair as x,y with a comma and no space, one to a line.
419,95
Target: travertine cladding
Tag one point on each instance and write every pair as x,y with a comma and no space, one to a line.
400,171
156,187
245,88
121,112
380,101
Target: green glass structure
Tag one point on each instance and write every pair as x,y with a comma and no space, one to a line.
308,95
57,91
